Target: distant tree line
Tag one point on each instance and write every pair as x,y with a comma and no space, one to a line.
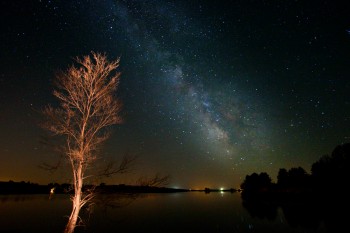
12,187
328,176
22,187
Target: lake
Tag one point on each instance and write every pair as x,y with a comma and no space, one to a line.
172,212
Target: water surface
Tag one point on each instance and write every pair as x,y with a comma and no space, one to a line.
173,212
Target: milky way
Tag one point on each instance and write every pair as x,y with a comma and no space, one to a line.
198,111
215,111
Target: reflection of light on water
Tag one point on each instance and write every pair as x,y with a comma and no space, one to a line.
52,191
222,191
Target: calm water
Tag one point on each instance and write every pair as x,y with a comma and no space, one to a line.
175,212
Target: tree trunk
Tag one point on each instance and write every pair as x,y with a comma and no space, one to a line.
73,218
72,222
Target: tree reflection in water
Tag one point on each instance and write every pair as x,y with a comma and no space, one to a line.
325,212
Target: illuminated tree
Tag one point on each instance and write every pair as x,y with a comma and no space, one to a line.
88,105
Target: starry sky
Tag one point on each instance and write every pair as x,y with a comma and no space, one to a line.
212,90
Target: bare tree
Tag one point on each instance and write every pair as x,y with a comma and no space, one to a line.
88,105
156,181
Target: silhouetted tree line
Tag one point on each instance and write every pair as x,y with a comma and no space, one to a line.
328,176
306,200
22,187
123,188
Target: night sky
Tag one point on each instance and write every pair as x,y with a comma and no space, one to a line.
212,90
